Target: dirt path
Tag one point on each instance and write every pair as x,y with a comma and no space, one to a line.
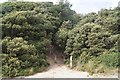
61,71
57,69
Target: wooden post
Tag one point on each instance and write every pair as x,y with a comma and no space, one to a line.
70,61
55,59
51,48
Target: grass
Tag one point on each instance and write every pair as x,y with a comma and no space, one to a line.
92,68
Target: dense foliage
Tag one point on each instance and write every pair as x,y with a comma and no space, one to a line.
93,36
29,29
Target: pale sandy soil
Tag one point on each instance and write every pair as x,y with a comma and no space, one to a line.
59,70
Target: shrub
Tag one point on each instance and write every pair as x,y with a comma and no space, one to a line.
19,46
84,58
22,56
105,63
11,66
111,59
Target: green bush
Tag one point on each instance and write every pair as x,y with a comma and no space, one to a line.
111,59
11,66
84,58
22,56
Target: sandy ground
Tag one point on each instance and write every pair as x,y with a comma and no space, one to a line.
59,70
